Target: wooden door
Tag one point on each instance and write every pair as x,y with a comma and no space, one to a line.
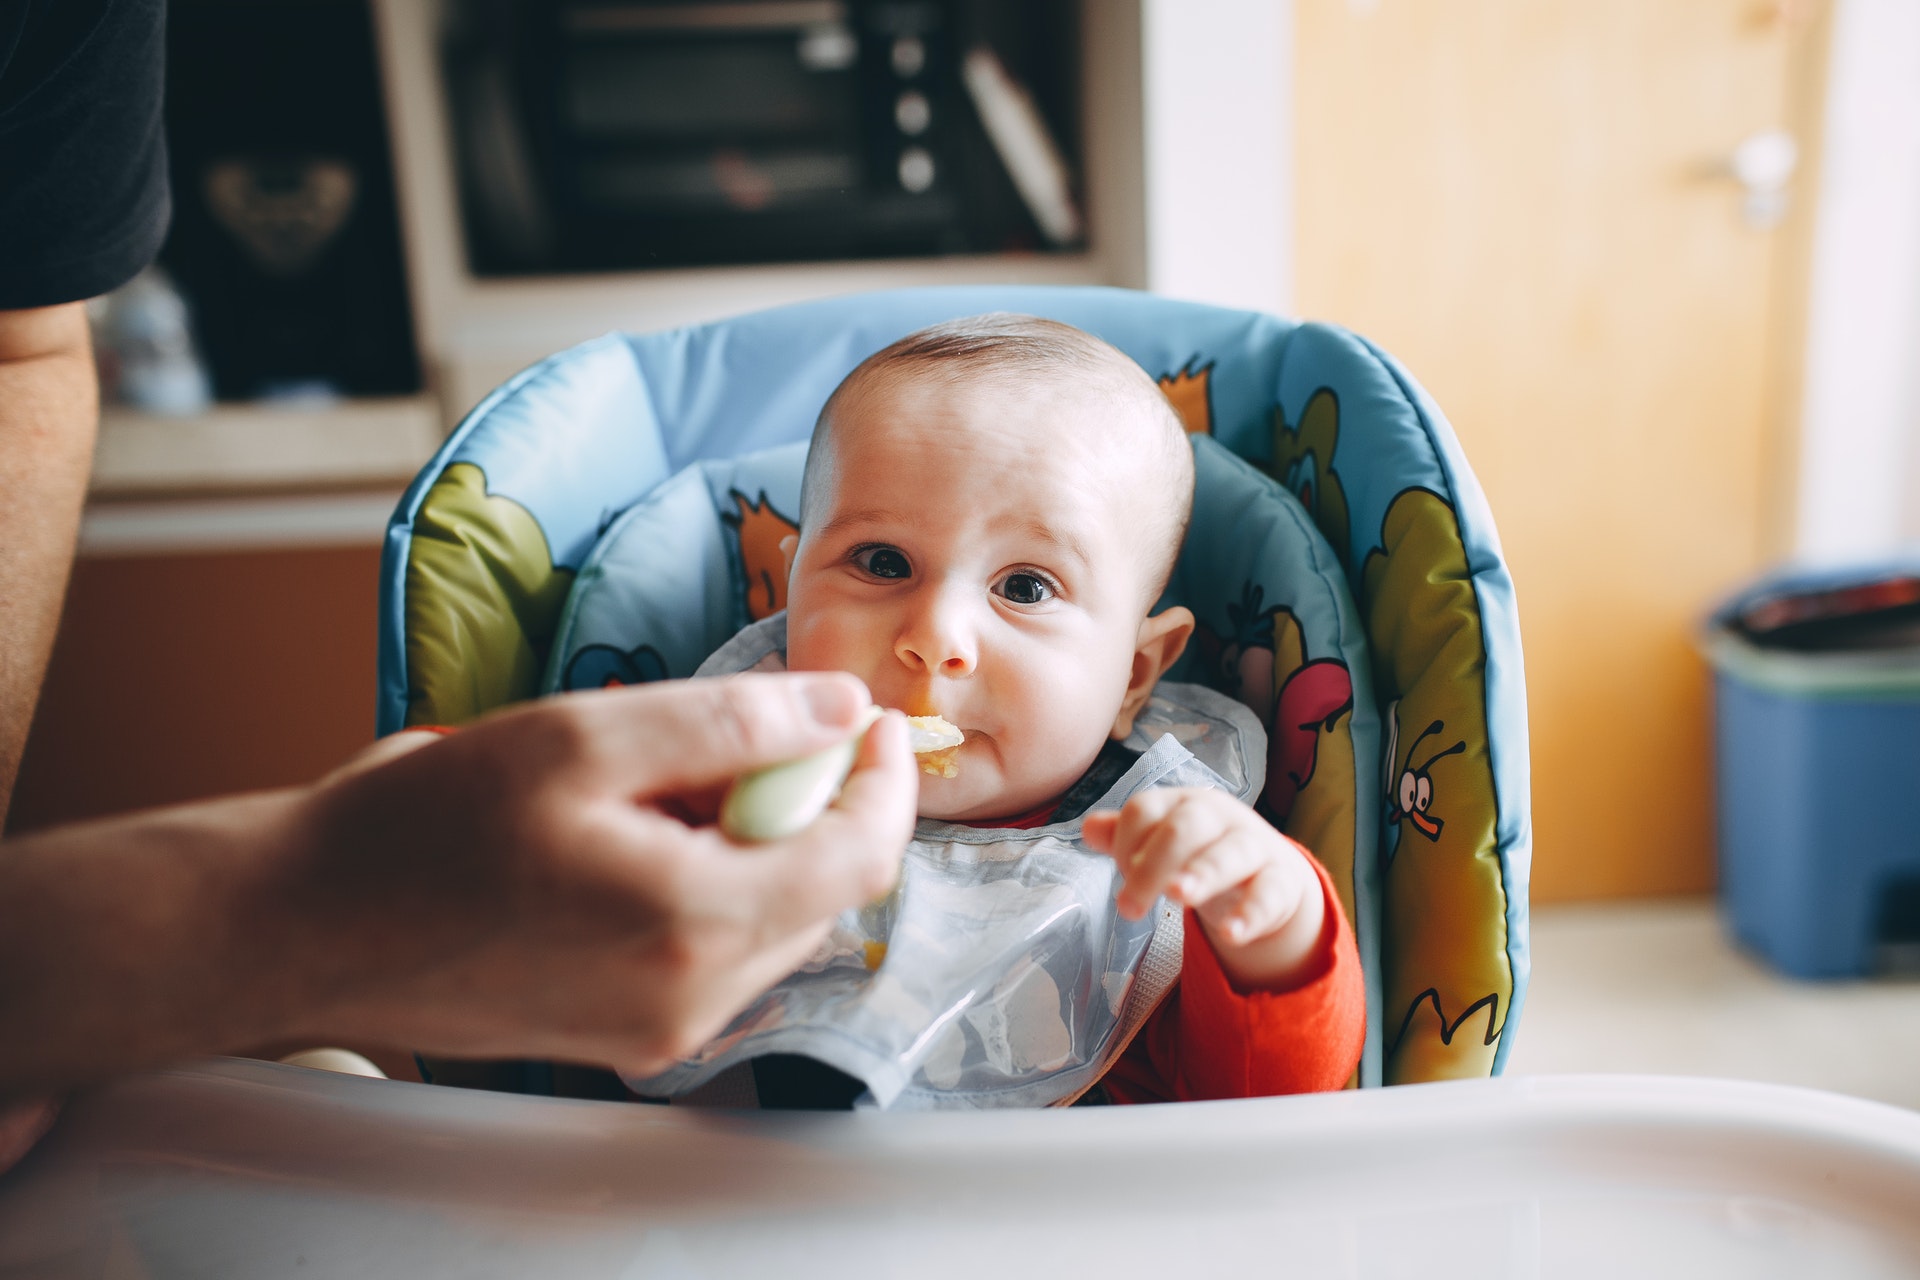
1517,198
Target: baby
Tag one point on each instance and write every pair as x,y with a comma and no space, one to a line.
990,510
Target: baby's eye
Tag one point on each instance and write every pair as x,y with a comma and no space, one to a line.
883,562
1026,588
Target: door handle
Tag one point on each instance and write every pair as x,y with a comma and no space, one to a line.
1763,164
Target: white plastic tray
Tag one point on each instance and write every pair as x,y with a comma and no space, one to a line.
251,1170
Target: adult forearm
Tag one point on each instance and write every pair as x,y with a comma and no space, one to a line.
530,887
129,942
48,416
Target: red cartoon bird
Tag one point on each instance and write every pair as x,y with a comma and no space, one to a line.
1313,698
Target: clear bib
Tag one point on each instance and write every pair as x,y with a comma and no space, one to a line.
998,972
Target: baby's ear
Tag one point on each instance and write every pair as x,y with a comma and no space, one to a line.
1163,638
789,545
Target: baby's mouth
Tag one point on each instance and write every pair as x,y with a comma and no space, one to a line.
935,743
931,733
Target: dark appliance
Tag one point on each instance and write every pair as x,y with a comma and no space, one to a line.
607,134
286,239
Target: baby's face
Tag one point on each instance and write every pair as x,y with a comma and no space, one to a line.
970,550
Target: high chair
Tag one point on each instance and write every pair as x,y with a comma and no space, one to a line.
614,513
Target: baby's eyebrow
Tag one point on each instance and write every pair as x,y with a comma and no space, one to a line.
1065,542
864,516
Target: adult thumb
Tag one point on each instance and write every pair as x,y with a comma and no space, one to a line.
674,737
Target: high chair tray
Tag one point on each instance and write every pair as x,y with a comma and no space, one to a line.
232,1168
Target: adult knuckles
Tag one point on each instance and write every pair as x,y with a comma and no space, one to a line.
558,735
677,960
741,718
546,836
691,943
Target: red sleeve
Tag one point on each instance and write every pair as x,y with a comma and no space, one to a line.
1207,1040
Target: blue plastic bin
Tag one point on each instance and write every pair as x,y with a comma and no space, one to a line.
1818,780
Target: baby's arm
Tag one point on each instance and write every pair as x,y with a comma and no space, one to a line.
1253,890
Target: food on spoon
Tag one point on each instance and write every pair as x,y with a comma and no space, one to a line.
936,743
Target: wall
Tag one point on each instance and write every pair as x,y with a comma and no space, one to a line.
1859,490
1217,107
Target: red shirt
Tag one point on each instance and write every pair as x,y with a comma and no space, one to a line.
1209,1040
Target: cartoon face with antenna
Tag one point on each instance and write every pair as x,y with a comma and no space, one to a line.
1410,787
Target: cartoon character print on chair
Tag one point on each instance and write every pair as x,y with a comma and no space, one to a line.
1239,661
1189,389
1303,462
483,598
1262,660
1410,779
759,529
1448,981
603,666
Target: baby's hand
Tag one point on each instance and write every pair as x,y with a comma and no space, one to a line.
1253,889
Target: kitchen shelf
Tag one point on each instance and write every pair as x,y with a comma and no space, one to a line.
251,448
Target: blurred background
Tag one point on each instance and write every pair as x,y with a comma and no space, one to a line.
1658,262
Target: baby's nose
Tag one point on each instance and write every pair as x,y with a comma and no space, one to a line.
937,642
953,661
955,665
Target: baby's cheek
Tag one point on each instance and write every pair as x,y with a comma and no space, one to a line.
1063,721
822,643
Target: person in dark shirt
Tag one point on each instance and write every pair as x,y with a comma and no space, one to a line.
83,207
83,163
544,884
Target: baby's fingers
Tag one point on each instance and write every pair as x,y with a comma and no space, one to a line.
1158,835
1253,907
1220,867
1098,829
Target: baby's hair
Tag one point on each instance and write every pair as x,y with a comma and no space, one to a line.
1007,342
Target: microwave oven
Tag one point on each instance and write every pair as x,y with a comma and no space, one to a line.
596,135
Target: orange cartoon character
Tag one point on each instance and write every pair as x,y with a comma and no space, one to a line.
1189,389
761,529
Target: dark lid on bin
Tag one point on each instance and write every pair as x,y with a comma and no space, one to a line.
1848,608
1834,630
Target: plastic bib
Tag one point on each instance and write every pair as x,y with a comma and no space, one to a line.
998,972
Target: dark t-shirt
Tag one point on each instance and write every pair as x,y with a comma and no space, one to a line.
83,163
